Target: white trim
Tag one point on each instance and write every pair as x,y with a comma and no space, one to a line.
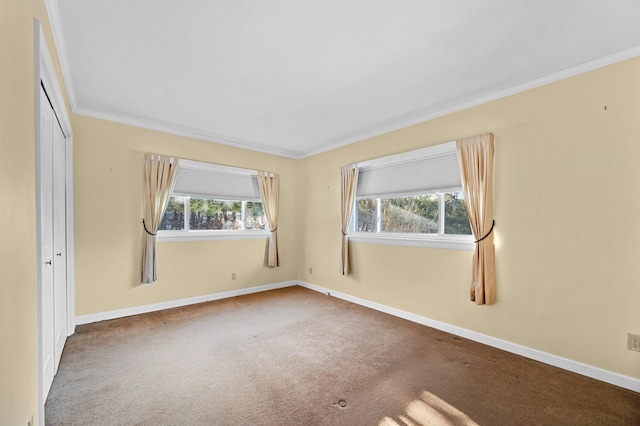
421,116
71,250
171,236
45,74
136,310
39,46
426,152
597,373
207,167
189,132
442,214
387,126
61,47
462,242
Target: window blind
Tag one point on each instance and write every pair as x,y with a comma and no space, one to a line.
424,171
213,181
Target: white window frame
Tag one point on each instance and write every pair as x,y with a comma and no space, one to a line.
213,234
439,240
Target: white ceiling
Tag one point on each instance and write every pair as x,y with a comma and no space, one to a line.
295,78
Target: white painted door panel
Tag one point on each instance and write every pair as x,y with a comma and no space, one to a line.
59,242
46,242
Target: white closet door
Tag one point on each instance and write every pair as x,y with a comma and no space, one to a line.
59,241
46,242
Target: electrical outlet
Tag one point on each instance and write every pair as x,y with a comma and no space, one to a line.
633,342
233,276
310,270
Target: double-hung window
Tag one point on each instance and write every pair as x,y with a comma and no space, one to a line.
211,201
414,198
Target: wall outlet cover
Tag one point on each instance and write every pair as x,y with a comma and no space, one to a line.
633,342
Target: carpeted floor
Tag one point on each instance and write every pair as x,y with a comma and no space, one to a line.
297,357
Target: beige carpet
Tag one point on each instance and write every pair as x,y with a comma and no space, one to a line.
297,357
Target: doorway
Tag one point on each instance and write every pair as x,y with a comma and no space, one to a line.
53,244
55,224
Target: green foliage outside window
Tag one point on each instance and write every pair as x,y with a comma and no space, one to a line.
455,212
206,214
255,216
410,214
174,216
414,214
366,215
215,214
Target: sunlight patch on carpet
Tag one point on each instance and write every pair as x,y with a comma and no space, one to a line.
429,410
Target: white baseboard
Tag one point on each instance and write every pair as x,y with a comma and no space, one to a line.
135,310
607,376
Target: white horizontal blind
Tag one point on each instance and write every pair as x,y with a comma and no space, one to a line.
424,171
213,181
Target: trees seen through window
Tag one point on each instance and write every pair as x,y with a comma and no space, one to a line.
439,213
207,214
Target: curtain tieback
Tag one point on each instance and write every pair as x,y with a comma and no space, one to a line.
345,234
274,229
490,231
146,230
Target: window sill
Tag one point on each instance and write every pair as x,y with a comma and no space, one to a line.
170,236
450,242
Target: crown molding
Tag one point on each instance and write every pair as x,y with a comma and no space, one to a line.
188,132
380,128
420,116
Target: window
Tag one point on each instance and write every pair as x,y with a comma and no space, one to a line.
189,213
414,198
418,214
173,219
211,201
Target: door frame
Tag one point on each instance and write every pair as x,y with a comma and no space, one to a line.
45,74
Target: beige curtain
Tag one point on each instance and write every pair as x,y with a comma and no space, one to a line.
476,170
269,184
159,178
348,192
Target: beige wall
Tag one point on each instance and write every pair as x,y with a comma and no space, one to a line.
567,184
567,181
109,159
18,297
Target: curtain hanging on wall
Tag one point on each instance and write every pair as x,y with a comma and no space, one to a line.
476,171
269,184
159,178
348,192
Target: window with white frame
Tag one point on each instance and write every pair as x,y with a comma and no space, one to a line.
213,201
413,198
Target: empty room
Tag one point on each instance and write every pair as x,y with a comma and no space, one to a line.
320,212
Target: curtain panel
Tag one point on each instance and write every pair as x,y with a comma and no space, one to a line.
476,156
349,178
159,178
269,184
